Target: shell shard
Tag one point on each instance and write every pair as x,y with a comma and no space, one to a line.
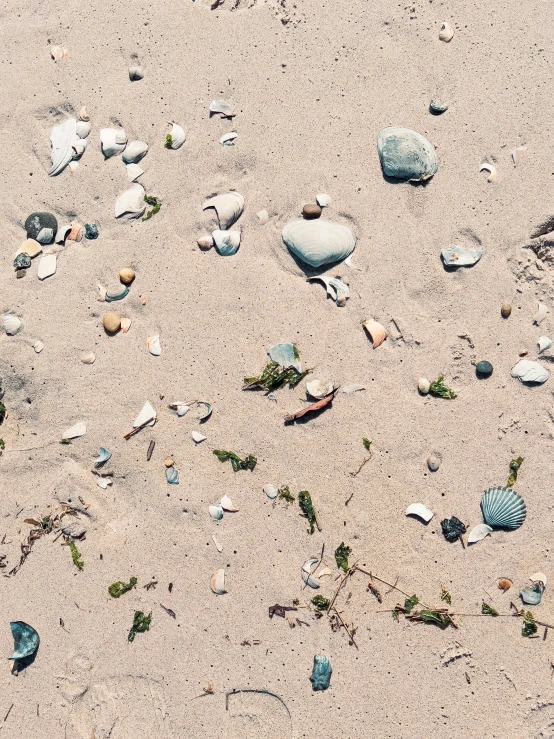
172,475
216,512
541,314
478,533
306,573
74,432
147,414
226,242
133,172
38,346
104,482
528,371
227,504
353,388
222,107
179,407
421,511
228,208
118,294
319,390
491,169
446,33
538,577
228,138
376,332
31,247
103,456
318,242
25,640
58,53
323,200
286,355
135,73
218,544
12,324
544,343
204,410
47,266
271,491
263,216
112,141
217,582
197,437
61,233
336,289
82,129
88,358
457,256
134,152
406,155
177,136
502,508
61,139
532,594
154,346
130,204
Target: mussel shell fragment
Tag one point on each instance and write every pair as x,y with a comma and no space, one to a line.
406,154
532,594
117,294
457,256
216,512
306,573
479,532
103,456
502,508
228,207
226,242
286,355
25,640
172,475
437,108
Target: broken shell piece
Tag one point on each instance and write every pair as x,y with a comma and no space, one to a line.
538,577
263,216
103,482
73,166
133,172
101,292
216,512
306,573
154,346
47,266
76,232
204,410
419,510
528,371
457,256
58,52
38,346
88,358
61,139
542,312
82,114
517,154
318,390
12,324
118,294
271,491
221,107
82,129
29,247
181,408
433,462
61,233
490,168
437,108
226,242
135,73
25,640
227,504
197,437
352,388
205,242
218,544
228,138
102,458
172,475
228,207
286,355
125,325
478,533
131,204
376,332
112,141
322,200
134,152
544,343
217,582
532,594
336,289
177,136
146,414
504,584
446,33
324,572
79,429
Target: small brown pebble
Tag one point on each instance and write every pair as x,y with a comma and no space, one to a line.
524,353
20,273
506,310
504,584
311,210
112,322
127,275
143,299
205,242
169,462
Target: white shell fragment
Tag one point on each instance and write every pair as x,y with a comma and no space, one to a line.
103,456
227,504
318,390
318,242
134,152
544,343
79,429
112,141
103,482
133,172
538,577
130,204
58,53
221,107
527,371
82,129
263,216
271,491
376,331
61,233
228,138
306,573
216,512
228,207
322,200
180,407
31,247
88,358
136,73
218,544
478,533
125,325
491,169
353,388
38,346
47,266
197,437
518,153
146,414
336,289
286,355
62,138
457,256
154,346
542,312
177,134
226,242
82,114
217,582
446,33
12,324
419,510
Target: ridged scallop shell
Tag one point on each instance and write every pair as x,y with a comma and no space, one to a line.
406,154
226,242
12,324
318,242
134,152
131,203
62,138
228,206
503,508
112,141
177,135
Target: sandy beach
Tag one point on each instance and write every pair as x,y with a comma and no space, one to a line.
311,84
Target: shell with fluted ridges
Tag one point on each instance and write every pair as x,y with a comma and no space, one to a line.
406,154
318,242
503,508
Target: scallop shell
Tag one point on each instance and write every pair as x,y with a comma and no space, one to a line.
479,532
217,582
112,141
58,53
457,256
222,107
227,504
446,33
177,135
271,491
318,242
216,512
306,573
74,432
12,324
228,207
419,510
133,172
544,343
503,508
318,390
406,154
541,314
197,437
527,371
47,266
88,358
131,204
336,289
61,139
376,332
82,129
286,355
226,242
134,152
154,346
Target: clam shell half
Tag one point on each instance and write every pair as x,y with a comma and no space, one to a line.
406,154
318,242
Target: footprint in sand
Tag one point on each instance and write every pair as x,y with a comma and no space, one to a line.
257,714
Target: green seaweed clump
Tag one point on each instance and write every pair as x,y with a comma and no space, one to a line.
305,503
515,464
75,554
321,603
487,610
168,141
285,494
410,603
529,626
275,377
366,443
151,200
236,462
119,588
445,595
439,389
141,623
2,412
436,617
342,553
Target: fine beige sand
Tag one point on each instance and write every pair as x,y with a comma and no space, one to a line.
312,84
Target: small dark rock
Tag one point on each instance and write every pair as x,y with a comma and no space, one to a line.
22,261
483,369
36,222
311,210
437,108
452,529
91,231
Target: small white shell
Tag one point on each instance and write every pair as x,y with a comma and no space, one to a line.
136,73
446,33
517,154
538,577
125,325
88,358
112,141
131,204
83,115
458,256
154,346
147,413
544,343
336,289
479,532
12,324
217,582
134,152
322,200
180,407
226,242
542,312
527,371
103,482
79,147
222,107
263,217
227,504
133,172
228,138
490,168
218,544
61,139
197,437
58,52
376,331
228,207
82,129
216,512
419,510
177,136
318,242
353,388
61,233
423,385
306,573
46,266
79,429
318,390
271,491
38,346
324,572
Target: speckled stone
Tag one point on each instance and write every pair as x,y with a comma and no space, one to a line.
91,231
36,222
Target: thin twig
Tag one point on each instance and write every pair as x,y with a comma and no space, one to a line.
346,628
355,474
138,428
8,713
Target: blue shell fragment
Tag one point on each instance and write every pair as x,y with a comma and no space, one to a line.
25,640
102,458
321,673
172,475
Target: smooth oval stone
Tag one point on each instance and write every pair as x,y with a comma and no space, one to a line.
112,322
91,231
406,155
126,275
506,310
310,210
37,222
483,369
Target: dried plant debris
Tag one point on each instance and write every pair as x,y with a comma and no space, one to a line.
487,610
236,462
278,610
155,203
439,617
75,554
515,464
274,377
141,623
342,552
305,503
439,389
452,528
285,494
320,603
445,595
117,589
319,405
